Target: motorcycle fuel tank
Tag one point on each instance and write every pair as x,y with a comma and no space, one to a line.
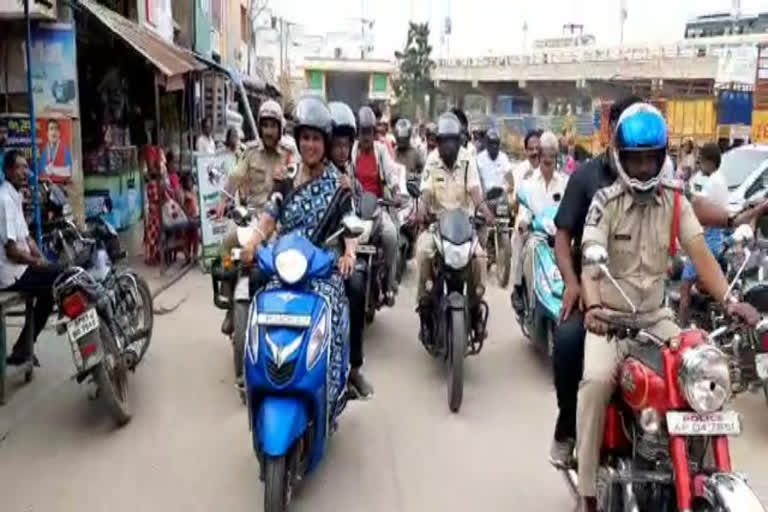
641,386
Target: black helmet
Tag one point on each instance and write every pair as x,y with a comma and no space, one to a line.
312,112
492,135
403,129
448,125
366,118
343,119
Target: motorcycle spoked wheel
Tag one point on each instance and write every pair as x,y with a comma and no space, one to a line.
111,378
457,340
503,261
277,487
147,313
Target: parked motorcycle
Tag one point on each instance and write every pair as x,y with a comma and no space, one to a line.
665,444
296,365
500,242
107,315
455,327
542,283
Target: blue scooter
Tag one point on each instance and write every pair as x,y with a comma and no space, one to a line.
543,285
295,364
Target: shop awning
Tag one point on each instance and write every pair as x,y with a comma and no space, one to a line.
169,59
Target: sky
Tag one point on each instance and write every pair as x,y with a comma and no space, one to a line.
495,27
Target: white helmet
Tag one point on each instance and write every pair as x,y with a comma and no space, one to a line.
270,109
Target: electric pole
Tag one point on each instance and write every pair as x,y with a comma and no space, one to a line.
622,20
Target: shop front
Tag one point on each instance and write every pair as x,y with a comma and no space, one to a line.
134,89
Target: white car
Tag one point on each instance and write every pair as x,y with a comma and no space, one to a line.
745,170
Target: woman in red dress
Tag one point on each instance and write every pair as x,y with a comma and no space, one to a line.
153,223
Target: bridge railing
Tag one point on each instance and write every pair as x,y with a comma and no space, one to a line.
686,49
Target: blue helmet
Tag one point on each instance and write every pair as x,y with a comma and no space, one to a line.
641,127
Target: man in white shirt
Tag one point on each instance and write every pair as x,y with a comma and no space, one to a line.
543,189
205,142
22,267
492,163
710,184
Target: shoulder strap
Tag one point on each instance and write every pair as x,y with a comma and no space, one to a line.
466,175
675,223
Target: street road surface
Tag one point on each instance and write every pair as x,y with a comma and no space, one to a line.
188,447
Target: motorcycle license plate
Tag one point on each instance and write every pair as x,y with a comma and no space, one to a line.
726,423
366,249
761,365
82,325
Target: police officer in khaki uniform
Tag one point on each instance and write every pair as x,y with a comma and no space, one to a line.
253,177
633,220
450,180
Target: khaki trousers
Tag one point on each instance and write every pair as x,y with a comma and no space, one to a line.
602,357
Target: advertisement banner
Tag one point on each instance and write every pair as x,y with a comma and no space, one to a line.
212,173
16,133
54,148
737,65
54,70
760,126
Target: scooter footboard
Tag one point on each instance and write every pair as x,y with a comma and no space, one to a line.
279,422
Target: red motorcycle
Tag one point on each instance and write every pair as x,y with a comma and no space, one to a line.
665,444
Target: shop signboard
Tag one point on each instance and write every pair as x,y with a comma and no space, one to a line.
14,9
212,173
15,133
54,70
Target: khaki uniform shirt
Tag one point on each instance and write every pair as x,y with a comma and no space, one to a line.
450,188
252,178
636,235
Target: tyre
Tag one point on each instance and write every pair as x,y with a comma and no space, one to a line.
503,260
275,484
457,339
240,325
111,377
147,313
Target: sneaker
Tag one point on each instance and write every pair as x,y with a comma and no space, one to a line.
358,384
561,453
227,326
16,359
517,301
389,299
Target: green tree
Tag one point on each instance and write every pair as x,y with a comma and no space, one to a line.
414,80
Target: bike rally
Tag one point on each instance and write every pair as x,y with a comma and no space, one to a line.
581,282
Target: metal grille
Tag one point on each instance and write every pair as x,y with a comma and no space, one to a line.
281,375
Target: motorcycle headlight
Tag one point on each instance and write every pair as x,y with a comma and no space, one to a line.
291,266
456,256
705,379
502,209
317,341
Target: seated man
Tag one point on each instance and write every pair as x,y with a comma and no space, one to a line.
22,267
635,221
450,180
545,188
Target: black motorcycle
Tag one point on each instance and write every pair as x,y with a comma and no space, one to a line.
452,326
409,228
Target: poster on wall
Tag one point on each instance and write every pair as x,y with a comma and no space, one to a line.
212,173
54,70
54,148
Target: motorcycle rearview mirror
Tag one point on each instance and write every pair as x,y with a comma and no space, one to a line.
494,193
413,189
